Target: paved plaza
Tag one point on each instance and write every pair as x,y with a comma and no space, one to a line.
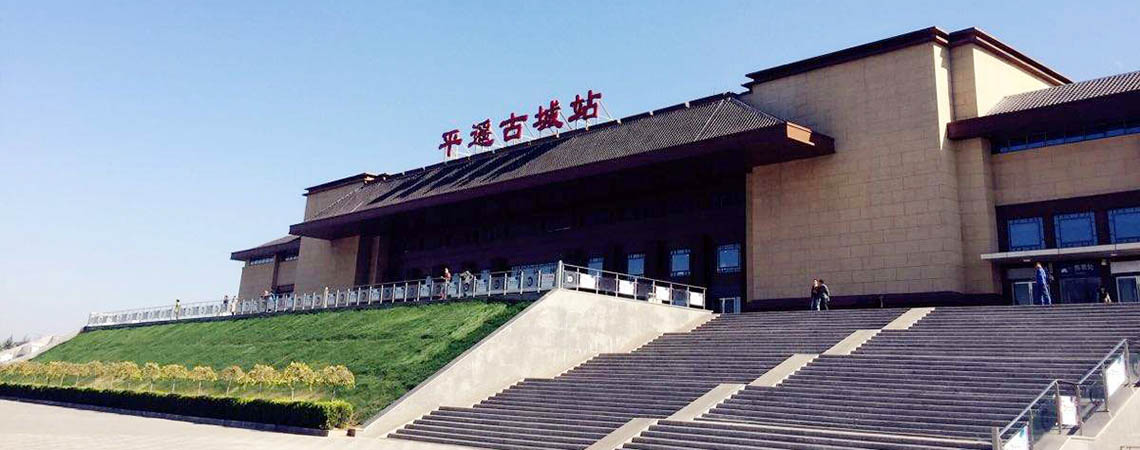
28,426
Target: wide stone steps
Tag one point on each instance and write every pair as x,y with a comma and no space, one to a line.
943,383
670,435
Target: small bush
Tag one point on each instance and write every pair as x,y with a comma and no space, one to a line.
323,415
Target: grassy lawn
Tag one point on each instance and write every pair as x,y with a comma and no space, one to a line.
389,350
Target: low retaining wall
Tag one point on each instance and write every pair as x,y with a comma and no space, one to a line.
562,329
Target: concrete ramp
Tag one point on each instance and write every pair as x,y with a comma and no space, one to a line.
907,319
559,331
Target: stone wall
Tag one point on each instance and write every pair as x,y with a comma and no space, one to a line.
1094,167
881,214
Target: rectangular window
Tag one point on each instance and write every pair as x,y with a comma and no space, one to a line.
1075,230
635,264
291,258
596,263
1026,234
679,262
1124,225
259,261
728,258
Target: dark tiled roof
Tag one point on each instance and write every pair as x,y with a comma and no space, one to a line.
1067,93
713,117
287,242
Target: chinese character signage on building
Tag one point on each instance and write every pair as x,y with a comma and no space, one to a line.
548,119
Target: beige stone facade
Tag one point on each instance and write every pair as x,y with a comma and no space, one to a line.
1080,169
903,206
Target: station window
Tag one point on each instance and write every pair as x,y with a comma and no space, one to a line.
679,262
728,258
635,264
1026,234
1075,230
1040,139
1124,225
597,263
260,261
291,258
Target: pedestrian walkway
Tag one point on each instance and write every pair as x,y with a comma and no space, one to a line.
28,426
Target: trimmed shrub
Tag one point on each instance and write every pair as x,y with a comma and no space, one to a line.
323,415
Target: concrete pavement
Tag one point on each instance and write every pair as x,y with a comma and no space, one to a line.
30,426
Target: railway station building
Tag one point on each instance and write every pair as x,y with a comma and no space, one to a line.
931,167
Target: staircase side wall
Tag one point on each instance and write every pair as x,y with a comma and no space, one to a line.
562,329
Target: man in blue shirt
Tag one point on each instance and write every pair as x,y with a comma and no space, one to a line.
1041,287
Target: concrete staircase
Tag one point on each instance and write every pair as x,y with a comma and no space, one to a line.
955,374
576,409
942,381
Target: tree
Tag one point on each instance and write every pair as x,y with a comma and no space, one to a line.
97,369
231,375
201,374
297,372
30,369
79,371
174,372
338,376
263,375
151,372
56,369
124,371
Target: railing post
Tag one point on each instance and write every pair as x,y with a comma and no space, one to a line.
559,274
1104,384
1029,427
1057,402
996,438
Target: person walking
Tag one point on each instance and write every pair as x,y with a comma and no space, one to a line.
824,295
177,308
446,283
1041,287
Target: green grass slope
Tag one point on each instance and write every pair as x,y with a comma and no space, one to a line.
390,350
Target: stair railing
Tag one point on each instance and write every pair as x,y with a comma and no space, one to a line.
1053,408
616,284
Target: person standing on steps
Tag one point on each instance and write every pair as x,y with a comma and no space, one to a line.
1041,287
818,291
1102,296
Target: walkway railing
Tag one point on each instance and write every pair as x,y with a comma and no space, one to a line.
1066,404
461,286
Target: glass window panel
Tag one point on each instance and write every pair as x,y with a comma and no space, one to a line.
728,258
679,262
1124,225
1026,234
635,264
597,263
1075,230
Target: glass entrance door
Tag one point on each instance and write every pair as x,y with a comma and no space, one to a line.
1023,292
1127,288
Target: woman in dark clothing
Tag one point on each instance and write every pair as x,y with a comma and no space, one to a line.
819,295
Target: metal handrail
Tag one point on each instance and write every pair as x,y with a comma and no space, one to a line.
1099,364
999,434
152,308
636,277
508,282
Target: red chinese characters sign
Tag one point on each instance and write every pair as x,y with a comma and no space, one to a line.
548,117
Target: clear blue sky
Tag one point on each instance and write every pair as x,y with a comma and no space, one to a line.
142,142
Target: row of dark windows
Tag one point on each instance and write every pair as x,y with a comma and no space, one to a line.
1043,139
269,259
1074,230
728,260
550,223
